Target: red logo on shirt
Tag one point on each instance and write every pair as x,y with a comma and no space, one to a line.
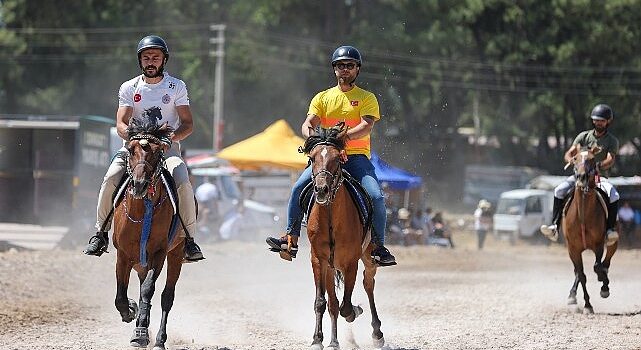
354,103
137,98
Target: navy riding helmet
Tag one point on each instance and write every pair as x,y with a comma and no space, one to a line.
153,42
346,53
601,112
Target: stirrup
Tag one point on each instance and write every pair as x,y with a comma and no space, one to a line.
97,245
195,255
282,247
551,232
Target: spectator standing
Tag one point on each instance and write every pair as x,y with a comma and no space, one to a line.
626,219
482,221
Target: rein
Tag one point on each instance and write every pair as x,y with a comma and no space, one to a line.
144,138
336,180
585,189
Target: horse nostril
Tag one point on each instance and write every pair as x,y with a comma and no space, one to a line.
322,190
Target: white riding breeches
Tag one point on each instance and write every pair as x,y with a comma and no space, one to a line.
178,170
566,187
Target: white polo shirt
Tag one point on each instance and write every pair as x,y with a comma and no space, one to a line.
166,95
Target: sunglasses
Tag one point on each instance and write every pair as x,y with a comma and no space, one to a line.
349,66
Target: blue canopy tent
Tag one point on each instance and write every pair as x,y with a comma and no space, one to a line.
395,178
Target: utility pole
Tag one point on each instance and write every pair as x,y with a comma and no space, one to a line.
219,54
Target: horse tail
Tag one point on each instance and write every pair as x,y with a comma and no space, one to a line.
340,279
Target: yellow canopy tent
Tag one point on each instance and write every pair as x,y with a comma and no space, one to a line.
276,147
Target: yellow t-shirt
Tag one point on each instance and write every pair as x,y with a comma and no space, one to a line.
334,105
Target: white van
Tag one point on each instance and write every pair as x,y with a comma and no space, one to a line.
520,213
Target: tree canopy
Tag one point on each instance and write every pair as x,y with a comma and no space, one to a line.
522,75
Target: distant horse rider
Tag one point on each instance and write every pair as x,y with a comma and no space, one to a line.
602,117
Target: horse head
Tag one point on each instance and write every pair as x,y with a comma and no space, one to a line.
147,142
326,151
585,168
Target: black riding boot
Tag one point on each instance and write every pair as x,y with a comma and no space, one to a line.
286,246
556,212
98,244
192,250
613,210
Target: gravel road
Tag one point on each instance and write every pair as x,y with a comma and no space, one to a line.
244,297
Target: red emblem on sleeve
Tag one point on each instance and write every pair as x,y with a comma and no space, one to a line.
354,103
137,98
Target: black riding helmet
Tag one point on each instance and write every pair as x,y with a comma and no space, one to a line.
153,42
601,112
346,53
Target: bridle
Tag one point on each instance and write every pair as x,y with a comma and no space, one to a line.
144,139
336,178
590,170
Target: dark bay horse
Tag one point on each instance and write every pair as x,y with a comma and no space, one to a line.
338,239
584,225
143,231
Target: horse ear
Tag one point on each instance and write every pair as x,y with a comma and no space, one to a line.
596,149
343,132
312,131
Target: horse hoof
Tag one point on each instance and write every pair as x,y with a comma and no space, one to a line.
133,311
140,338
571,300
333,347
588,310
316,347
159,347
358,311
605,293
379,343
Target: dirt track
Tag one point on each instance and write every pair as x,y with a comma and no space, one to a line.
243,297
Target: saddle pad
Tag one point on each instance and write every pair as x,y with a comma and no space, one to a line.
600,195
358,194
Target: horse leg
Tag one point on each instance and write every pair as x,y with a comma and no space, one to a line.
140,338
174,266
605,266
127,307
319,303
368,283
580,275
572,296
347,310
330,286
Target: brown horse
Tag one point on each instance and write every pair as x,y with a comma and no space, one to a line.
338,239
143,231
584,225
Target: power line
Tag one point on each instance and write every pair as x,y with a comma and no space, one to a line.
108,30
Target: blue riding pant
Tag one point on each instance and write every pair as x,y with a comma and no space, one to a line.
361,168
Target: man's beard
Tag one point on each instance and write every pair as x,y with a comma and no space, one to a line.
158,71
346,80
600,129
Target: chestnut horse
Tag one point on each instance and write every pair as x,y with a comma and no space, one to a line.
143,231
584,225
338,239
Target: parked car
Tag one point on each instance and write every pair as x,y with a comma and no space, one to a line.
520,213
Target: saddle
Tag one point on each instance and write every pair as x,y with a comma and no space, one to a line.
603,198
169,184
356,191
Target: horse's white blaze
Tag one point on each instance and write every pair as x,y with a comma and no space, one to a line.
324,152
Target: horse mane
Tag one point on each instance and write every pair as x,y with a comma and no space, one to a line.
147,123
325,135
